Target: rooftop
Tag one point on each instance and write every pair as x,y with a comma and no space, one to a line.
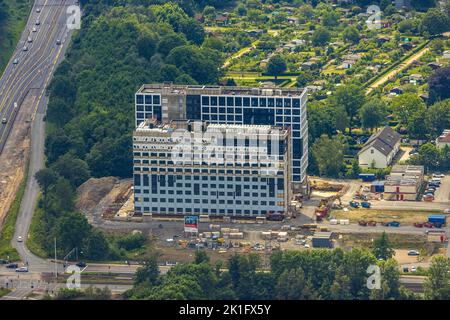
445,136
169,88
384,141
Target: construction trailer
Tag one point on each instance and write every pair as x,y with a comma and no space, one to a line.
322,240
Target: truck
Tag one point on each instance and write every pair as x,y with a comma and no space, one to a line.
321,213
438,220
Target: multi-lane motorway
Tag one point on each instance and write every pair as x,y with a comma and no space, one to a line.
22,89
31,70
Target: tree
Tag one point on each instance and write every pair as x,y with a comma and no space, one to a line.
329,154
46,178
437,285
429,156
438,117
439,85
63,196
293,286
276,65
201,257
95,246
381,247
351,34
146,46
340,289
71,229
170,41
372,113
148,273
435,22
405,106
356,170
75,170
320,37
330,18
351,97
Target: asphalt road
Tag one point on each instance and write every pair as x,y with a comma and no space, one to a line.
35,65
34,70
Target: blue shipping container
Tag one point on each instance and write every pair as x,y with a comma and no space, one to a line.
437,218
367,177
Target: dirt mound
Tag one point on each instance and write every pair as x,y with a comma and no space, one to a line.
90,193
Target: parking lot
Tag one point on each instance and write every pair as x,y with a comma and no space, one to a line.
443,192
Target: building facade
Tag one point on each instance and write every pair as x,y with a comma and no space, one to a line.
404,183
444,139
192,167
233,105
380,149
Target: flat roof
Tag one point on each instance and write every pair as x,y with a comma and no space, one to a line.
175,89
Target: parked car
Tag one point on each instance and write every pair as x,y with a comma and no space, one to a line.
418,225
81,264
428,225
372,223
362,223
25,48
413,253
447,210
366,204
22,269
354,204
413,269
393,224
16,61
3,261
12,266
438,175
4,121
34,29
38,10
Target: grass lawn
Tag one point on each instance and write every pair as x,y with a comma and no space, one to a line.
4,292
403,216
7,232
32,242
12,27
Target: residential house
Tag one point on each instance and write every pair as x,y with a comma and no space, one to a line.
446,54
435,65
292,20
396,91
416,79
380,149
444,139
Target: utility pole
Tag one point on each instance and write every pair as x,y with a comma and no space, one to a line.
56,265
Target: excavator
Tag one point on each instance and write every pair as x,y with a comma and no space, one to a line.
325,205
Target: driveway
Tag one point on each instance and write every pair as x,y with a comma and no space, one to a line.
443,192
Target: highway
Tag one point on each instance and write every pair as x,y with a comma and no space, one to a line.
31,71
35,66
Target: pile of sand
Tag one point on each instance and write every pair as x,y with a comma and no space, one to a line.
90,193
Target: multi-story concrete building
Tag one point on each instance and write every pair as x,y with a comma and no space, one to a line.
233,105
193,167
404,182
